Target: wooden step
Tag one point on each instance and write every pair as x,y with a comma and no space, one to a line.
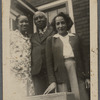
54,96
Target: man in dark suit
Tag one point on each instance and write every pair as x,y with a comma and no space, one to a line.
39,71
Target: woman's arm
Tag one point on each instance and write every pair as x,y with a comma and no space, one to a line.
50,66
49,61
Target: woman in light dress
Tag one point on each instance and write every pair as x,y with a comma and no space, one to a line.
20,60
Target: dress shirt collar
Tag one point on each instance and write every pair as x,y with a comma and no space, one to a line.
58,35
44,30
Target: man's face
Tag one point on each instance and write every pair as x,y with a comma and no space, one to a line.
23,23
40,20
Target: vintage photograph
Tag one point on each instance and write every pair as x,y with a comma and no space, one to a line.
50,50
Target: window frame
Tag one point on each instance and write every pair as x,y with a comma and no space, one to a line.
59,3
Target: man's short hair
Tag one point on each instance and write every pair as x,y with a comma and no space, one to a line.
37,12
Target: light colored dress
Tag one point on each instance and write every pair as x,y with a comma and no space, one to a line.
20,65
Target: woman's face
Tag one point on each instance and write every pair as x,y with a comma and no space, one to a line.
23,23
61,26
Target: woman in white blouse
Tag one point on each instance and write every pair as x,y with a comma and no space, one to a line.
64,59
20,60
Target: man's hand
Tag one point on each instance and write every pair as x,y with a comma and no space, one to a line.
51,87
87,83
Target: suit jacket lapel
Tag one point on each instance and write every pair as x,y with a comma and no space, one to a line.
58,51
36,38
47,33
58,44
58,47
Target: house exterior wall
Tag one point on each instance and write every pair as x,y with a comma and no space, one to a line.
36,3
81,18
82,23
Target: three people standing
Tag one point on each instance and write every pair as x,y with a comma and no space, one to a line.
54,59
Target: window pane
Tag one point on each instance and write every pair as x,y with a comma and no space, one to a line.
52,14
62,10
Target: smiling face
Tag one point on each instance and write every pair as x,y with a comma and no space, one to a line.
61,26
23,23
40,20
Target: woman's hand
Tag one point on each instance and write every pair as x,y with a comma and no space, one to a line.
51,87
87,83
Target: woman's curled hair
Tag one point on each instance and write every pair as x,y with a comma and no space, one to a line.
67,19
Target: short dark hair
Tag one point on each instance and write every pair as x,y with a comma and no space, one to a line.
67,19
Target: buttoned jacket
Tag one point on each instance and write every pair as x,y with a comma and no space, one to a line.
38,50
55,59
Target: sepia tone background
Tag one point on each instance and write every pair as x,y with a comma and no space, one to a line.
81,27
